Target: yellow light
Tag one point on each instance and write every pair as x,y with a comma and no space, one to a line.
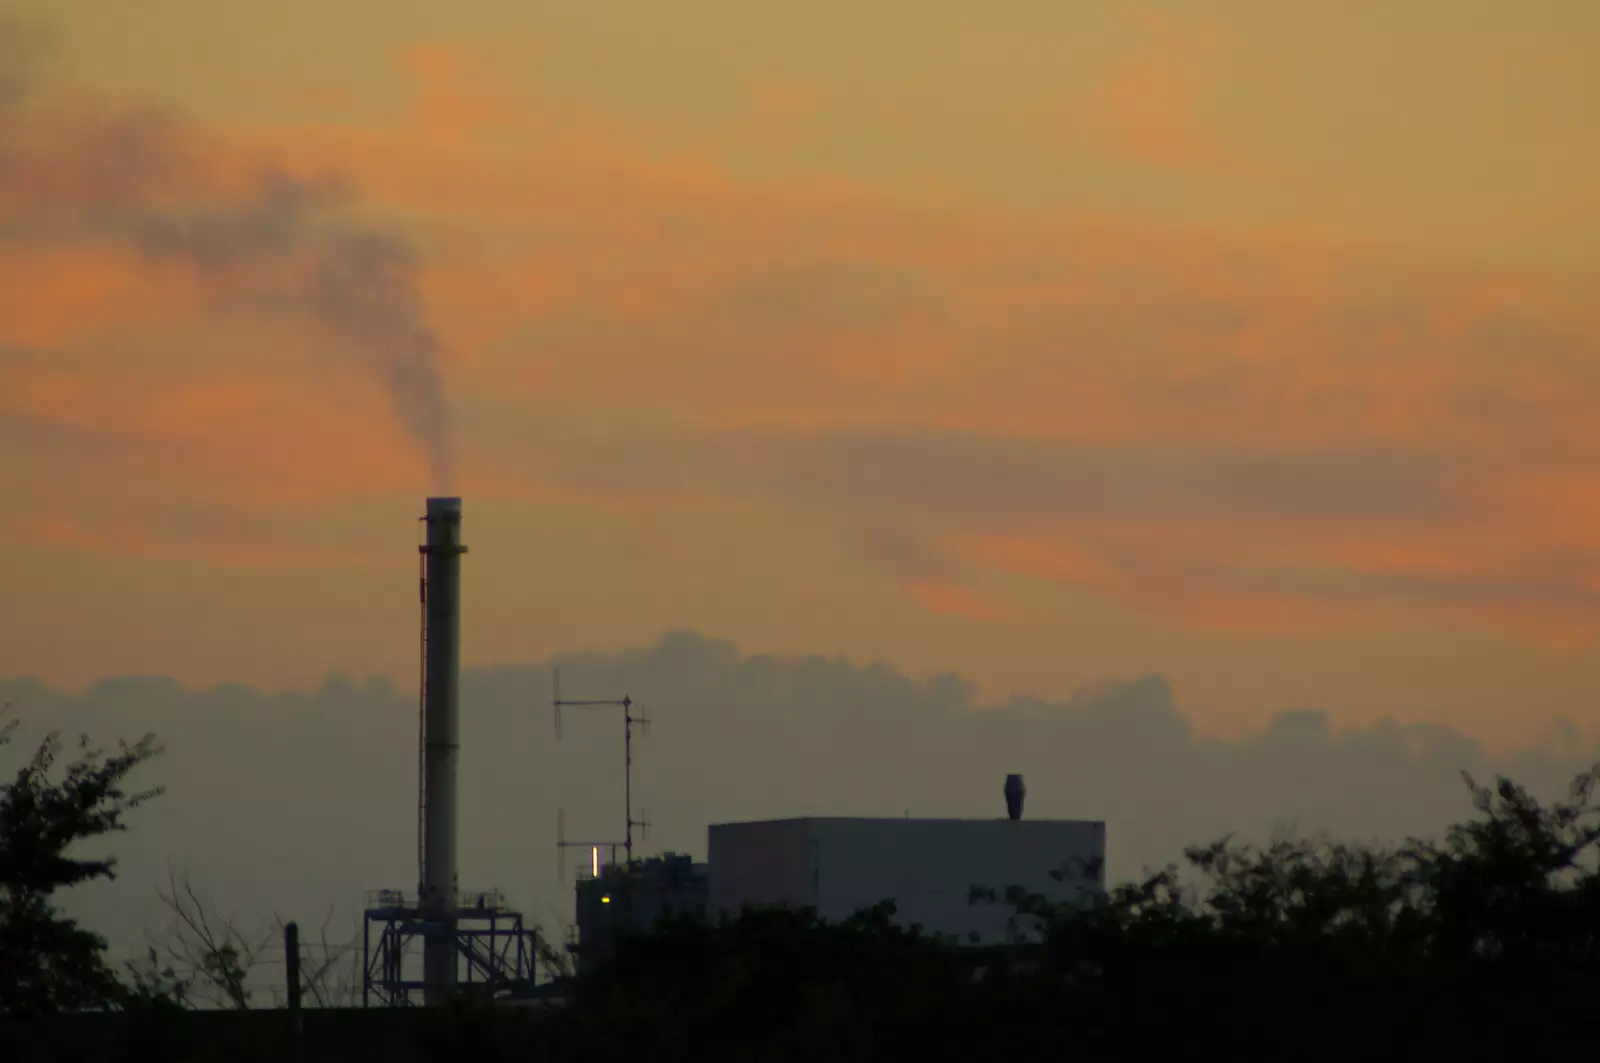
596,856
605,898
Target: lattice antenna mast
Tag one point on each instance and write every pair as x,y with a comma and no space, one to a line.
629,720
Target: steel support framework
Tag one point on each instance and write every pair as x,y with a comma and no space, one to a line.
496,953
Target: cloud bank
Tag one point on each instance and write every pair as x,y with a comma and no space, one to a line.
296,802
1239,433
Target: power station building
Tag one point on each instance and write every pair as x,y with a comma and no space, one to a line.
618,898
929,868
934,870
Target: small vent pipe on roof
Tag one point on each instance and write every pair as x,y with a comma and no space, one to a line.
1015,792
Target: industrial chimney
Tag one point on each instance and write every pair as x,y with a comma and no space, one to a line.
1015,792
441,592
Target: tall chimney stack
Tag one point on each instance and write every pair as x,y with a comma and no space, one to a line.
441,732
1015,792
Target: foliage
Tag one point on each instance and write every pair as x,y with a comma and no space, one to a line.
1485,940
772,983
208,957
215,961
1490,933
49,963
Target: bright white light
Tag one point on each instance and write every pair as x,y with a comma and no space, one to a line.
596,855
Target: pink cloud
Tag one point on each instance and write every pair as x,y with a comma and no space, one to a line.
1236,432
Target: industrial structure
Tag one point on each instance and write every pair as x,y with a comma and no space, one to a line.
629,721
490,947
469,938
429,944
934,870
929,868
636,894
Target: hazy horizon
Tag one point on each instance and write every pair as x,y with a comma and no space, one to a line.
298,803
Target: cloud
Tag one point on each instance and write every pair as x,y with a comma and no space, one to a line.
26,49
1147,104
165,532
1225,537
989,481
1226,429
926,572
1176,397
122,443
293,802
54,298
955,600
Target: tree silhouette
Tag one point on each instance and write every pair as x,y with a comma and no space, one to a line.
208,959
1489,935
771,983
1485,941
49,963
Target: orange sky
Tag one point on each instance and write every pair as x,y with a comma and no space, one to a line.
1253,346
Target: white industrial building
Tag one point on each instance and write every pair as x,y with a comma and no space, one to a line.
928,867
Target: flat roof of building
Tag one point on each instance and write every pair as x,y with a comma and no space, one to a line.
903,819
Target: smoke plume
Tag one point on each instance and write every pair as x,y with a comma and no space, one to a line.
359,283
155,185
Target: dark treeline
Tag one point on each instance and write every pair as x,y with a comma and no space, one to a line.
1483,942
1480,943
